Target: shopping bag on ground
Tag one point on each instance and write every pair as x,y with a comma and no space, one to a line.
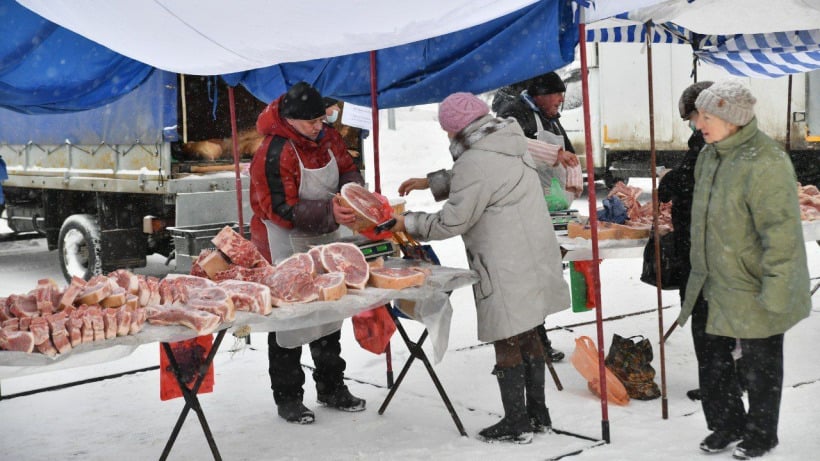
585,359
373,329
631,361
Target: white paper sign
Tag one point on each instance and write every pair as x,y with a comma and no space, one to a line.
357,116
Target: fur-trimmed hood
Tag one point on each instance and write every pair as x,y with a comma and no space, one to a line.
501,135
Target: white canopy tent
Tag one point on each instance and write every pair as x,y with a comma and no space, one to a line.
212,37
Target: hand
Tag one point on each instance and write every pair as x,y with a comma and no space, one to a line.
399,226
568,159
342,214
413,184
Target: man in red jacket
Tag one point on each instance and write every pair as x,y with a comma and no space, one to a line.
295,175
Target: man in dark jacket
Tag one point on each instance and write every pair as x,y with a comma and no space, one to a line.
295,174
535,104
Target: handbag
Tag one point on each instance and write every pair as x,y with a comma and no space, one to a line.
631,362
671,267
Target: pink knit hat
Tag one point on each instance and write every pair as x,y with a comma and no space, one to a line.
459,110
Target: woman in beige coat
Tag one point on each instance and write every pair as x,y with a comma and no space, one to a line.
496,204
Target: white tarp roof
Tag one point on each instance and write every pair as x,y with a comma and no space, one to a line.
208,37
726,17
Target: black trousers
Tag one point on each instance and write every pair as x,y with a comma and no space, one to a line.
718,376
285,368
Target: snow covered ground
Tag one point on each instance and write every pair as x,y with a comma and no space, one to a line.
123,417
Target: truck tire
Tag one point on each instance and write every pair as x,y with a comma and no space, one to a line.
79,247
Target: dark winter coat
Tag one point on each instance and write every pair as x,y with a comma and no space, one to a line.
520,106
678,186
748,256
494,202
275,176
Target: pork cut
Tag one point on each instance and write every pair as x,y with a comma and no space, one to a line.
42,338
116,298
211,262
290,287
301,262
22,306
347,258
97,289
365,204
72,292
331,285
316,254
249,274
201,322
211,299
19,341
174,287
237,249
248,296
59,334
126,280
396,278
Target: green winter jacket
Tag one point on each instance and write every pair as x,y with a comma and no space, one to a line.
748,255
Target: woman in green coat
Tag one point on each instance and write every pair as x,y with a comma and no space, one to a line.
749,262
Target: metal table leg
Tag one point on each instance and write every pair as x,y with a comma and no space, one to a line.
191,399
416,351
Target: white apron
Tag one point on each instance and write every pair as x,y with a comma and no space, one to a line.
546,173
316,184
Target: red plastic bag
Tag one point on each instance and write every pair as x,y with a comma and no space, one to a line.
373,329
189,355
585,359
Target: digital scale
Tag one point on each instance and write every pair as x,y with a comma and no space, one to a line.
560,219
374,249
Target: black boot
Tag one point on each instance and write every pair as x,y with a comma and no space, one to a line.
537,410
554,354
515,426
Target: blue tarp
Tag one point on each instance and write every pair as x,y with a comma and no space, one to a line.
520,45
47,69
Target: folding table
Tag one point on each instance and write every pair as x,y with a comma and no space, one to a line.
416,352
190,395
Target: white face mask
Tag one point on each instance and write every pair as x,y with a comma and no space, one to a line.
333,117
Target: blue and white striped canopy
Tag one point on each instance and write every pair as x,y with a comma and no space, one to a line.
765,55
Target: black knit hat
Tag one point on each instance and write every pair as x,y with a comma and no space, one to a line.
686,104
546,84
302,102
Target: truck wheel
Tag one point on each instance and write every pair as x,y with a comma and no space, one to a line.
79,247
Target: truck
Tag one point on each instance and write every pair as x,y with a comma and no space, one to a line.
787,109
106,187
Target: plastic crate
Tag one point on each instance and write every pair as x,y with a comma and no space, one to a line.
189,241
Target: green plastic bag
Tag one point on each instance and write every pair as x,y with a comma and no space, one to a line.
556,199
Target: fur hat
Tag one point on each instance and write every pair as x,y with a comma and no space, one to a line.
459,110
548,83
302,102
728,100
686,104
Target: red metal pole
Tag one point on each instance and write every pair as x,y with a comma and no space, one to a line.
374,103
235,145
653,173
593,223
